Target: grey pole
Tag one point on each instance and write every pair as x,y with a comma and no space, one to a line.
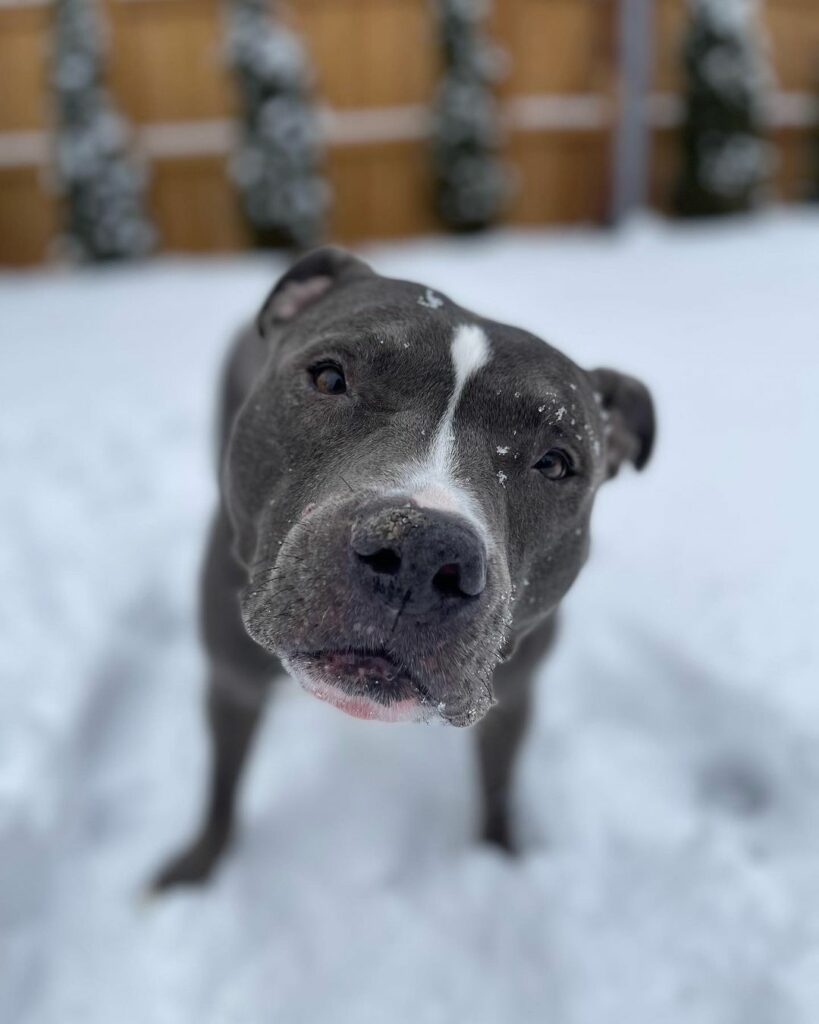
631,137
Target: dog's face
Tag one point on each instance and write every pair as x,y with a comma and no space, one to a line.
411,487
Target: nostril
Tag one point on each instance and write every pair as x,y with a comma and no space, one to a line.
415,560
384,561
447,580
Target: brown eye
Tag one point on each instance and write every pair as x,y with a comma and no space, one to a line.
555,465
328,379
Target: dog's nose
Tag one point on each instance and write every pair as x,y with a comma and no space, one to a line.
418,560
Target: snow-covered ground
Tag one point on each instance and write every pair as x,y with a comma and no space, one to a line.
669,796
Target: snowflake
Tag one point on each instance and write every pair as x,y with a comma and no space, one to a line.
429,300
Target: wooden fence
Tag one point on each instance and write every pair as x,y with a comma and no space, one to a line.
376,64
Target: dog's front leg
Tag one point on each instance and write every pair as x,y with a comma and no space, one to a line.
232,725
241,674
501,733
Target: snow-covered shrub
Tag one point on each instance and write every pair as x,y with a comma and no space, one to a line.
471,183
277,166
815,183
103,189
726,158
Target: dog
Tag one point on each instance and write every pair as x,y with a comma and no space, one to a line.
406,489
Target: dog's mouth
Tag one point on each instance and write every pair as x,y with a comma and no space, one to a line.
364,683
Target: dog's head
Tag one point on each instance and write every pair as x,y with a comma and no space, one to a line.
411,487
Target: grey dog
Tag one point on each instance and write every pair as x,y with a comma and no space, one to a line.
406,490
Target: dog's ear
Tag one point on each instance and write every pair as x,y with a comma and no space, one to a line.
306,282
630,422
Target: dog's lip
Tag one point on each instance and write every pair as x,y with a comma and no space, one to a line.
363,682
378,658
366,663
364,706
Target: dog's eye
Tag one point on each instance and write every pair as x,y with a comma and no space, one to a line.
555,464
328,378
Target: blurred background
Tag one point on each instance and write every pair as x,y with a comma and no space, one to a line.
332,108
635,181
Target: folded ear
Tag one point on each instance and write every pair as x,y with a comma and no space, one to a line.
306,282
629,413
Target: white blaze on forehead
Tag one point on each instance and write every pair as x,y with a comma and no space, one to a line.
434,486
470,351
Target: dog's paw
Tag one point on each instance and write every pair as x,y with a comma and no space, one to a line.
191,867
496,833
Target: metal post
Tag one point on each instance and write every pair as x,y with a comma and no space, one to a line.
631,137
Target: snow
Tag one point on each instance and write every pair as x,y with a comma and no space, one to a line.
669,795
430,300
